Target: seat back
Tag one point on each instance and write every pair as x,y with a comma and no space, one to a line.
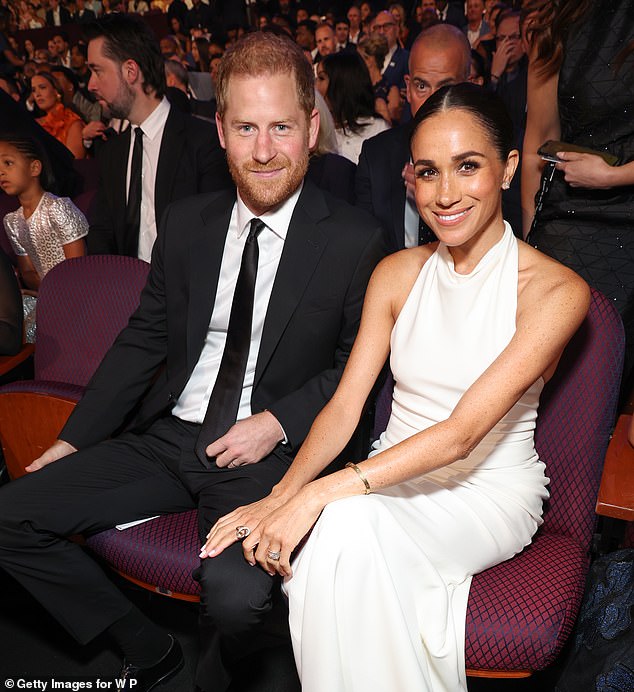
82,306
576,413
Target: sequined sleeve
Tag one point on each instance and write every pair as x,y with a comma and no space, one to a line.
67,221
11,229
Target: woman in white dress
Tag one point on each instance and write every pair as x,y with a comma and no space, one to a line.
474,325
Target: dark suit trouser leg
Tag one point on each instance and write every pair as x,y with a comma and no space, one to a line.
116,481
239,613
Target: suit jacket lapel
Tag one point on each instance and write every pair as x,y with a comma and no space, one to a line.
172,146
400,156
304,245
205,257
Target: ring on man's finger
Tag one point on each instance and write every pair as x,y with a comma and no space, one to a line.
273,555
242,532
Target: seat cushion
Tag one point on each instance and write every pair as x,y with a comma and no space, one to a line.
162,552
521,611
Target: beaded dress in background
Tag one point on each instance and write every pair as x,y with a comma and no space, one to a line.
592,231
55,222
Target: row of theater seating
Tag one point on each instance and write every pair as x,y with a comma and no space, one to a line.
520,612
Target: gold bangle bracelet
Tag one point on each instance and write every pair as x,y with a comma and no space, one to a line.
368,489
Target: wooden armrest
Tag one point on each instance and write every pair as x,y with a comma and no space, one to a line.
29,424
7,363
616,494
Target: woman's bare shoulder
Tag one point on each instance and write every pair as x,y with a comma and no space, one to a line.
395,275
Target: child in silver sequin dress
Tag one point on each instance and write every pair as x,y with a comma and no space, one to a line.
46,229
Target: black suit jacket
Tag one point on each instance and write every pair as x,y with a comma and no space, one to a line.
190,161
64,17
379,184
85,18
330,251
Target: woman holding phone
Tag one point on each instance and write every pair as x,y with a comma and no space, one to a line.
581,92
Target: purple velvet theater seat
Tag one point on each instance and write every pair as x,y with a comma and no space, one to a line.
521,611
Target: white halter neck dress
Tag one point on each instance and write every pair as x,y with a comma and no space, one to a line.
379,593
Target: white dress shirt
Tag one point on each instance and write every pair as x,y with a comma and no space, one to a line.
193,401
388,58
153,127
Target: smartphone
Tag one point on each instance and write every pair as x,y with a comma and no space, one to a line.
548,152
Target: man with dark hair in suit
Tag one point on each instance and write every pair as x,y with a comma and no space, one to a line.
166,155
83,15
440,55
57,14
243,330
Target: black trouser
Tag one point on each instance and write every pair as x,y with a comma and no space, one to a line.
120,480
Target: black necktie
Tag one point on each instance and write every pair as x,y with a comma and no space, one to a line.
133,208
425,234
224,402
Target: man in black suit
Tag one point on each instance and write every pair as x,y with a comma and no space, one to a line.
440,55
282,264
57,14
82,14
181,155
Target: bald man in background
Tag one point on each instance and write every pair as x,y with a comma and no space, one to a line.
440,55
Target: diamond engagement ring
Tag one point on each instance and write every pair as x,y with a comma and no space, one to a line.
242,532
273,555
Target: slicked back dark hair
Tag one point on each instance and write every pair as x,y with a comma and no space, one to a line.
130,38
487,108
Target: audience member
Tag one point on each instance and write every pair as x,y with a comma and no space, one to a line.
74,97
57,14
451,13
344,82
581,91
200,54
46,229
476,26
342,35
11,318
175,456
15,118
398,12
176,155
473,327
387,99
325,41
79,64
82,14
58,120
354,19
395,65
200,16
384,186
305,36
60,48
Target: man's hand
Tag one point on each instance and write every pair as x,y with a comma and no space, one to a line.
56,451
93,130
500,59
247,441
